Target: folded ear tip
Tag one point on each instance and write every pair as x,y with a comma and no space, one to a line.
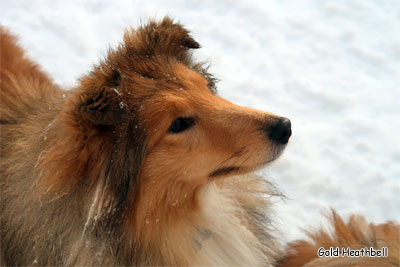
189,42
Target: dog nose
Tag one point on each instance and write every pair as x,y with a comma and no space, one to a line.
280,131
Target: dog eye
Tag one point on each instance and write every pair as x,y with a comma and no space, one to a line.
181,124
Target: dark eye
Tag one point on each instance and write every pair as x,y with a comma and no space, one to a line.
181,124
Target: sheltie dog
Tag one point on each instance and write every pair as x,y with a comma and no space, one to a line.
141,163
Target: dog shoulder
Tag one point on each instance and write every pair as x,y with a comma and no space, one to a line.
23,84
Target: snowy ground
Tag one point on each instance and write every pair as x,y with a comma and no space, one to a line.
332,67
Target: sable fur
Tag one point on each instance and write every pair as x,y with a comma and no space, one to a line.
91,176
355,234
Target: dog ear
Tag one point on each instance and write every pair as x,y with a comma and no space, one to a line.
100,101
169,35
164,37
188,42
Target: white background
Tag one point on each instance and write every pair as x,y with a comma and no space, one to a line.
332,67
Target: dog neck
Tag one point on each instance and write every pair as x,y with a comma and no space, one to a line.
204,225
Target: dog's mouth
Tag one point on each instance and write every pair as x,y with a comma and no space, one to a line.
230,170
224,171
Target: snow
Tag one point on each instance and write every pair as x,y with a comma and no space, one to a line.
332,67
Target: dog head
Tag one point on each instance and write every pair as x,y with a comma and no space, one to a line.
148,125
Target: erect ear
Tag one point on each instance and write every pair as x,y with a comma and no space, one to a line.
100,102
164,37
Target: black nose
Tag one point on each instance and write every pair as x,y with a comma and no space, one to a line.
280,131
